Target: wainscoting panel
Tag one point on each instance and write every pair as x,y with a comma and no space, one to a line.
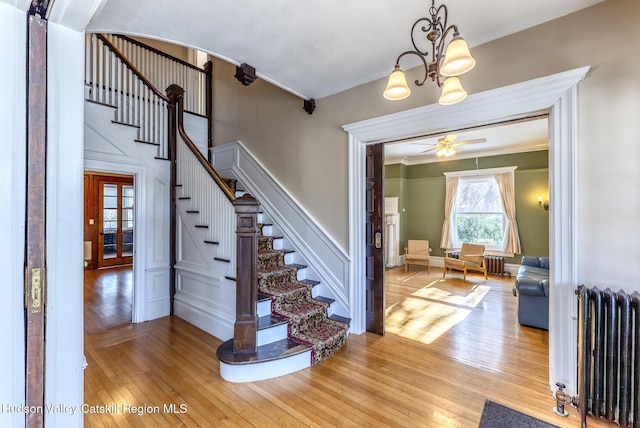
328,260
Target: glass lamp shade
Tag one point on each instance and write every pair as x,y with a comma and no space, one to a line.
452,92
397,88
445,151
457,58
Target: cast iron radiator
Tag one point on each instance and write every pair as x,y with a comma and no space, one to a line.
495,265
609,355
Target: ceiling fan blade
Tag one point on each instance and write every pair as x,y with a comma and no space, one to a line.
477,140
429,150
448,138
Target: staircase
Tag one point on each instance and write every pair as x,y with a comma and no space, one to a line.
296,326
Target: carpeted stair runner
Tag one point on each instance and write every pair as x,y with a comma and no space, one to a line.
291,299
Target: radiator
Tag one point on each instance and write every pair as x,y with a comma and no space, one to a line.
495,265
609,355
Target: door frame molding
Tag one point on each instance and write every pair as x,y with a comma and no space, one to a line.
139,174
555,95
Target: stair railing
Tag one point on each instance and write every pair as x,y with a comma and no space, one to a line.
126,74
232,221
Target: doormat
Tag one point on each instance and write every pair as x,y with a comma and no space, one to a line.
496,415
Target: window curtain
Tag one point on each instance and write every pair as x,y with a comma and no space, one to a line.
507,194
451,189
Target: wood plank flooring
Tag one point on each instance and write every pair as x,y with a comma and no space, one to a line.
449,346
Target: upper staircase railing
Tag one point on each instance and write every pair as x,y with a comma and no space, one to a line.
129,76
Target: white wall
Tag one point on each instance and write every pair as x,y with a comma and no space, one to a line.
12,195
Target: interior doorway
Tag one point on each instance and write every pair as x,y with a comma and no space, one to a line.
554,94
109,226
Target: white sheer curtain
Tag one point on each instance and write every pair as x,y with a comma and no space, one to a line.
507,194
451,189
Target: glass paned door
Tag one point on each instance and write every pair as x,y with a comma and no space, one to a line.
117,203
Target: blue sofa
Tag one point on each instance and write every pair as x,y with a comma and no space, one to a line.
532,291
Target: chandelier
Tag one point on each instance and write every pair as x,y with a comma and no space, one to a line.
446,64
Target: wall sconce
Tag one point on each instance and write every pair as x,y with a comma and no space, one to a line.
543,204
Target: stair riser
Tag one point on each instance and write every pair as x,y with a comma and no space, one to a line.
264,308
271,334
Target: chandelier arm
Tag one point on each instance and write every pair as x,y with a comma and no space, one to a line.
424,62
424,29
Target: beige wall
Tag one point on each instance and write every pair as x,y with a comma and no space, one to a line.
308,154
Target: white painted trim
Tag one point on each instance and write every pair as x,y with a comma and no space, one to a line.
328,260
480,172
12,211
555,95
139,251
64,376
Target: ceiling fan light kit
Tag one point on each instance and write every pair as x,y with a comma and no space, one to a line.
446,64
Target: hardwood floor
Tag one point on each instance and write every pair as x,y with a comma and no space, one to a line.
433,373
107,298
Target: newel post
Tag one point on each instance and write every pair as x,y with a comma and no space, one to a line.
246,325
175,94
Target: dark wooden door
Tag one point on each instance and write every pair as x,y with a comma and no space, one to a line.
374,265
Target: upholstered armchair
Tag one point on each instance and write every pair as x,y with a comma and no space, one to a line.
417,252
471,258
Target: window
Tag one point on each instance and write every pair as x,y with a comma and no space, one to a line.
480,209
478,215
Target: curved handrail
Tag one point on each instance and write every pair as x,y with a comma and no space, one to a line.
131,67
203,161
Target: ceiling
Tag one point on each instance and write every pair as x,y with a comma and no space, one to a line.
312,48
513,137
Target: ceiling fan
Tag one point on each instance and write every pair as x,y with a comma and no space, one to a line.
445,145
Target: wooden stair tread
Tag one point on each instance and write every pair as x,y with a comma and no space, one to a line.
151,143
193,212
269,352
340,319
310,281
324,299
211,242
270,321
220,259
125,124
297,265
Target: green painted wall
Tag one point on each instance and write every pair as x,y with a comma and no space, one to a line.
421,192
